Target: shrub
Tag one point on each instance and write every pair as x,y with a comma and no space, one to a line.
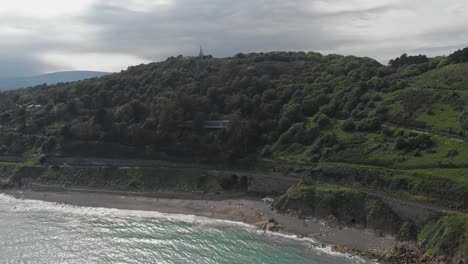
322,119
295,149
348,125
309,107
414,141
292,135
376,83
370,123
452,153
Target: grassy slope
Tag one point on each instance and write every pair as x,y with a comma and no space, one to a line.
442,118
447,236
428,169
418,167
450,77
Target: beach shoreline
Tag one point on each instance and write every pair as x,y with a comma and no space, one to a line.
247,210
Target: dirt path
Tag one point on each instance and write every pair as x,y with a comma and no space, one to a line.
392,198
424,132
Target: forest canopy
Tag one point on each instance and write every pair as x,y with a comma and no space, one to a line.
276,100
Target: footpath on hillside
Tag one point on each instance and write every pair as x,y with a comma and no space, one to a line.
427,132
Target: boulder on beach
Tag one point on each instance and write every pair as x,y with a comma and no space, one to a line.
269,225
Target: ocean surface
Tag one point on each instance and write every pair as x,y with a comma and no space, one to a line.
43,232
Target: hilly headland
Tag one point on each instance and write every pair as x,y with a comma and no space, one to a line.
340,138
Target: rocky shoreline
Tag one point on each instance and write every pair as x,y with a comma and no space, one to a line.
354,220
402,253
251,211
254,211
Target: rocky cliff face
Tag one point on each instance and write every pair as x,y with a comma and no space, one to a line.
348,206
443,240
166,177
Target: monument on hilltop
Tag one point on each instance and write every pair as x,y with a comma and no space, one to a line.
201,55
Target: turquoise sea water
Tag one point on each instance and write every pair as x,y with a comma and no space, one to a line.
43,232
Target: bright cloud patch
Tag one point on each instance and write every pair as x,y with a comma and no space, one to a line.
338,6
44,8
91,61
110,35
141,5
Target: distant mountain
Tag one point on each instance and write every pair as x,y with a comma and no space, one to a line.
50,78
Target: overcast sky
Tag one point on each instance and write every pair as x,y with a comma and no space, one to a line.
109,35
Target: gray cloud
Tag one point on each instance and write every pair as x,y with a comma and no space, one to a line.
145,30
223,27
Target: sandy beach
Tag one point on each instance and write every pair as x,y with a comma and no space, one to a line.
246,210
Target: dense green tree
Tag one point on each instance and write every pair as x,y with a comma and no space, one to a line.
405,60
348,125
322,119
376,83
458,56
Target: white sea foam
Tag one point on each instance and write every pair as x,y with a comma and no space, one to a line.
317,247
27,205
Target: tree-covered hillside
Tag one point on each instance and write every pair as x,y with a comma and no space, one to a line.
389,131
299,106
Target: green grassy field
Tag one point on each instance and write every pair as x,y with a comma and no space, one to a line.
442,118
449,77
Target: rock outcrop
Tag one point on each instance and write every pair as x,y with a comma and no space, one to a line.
269,225
339,206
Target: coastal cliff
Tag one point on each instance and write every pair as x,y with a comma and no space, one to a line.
441,239
341,205
338,206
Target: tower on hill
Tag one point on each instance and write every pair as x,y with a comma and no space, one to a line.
201,55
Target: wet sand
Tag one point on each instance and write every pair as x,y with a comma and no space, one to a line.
246,210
